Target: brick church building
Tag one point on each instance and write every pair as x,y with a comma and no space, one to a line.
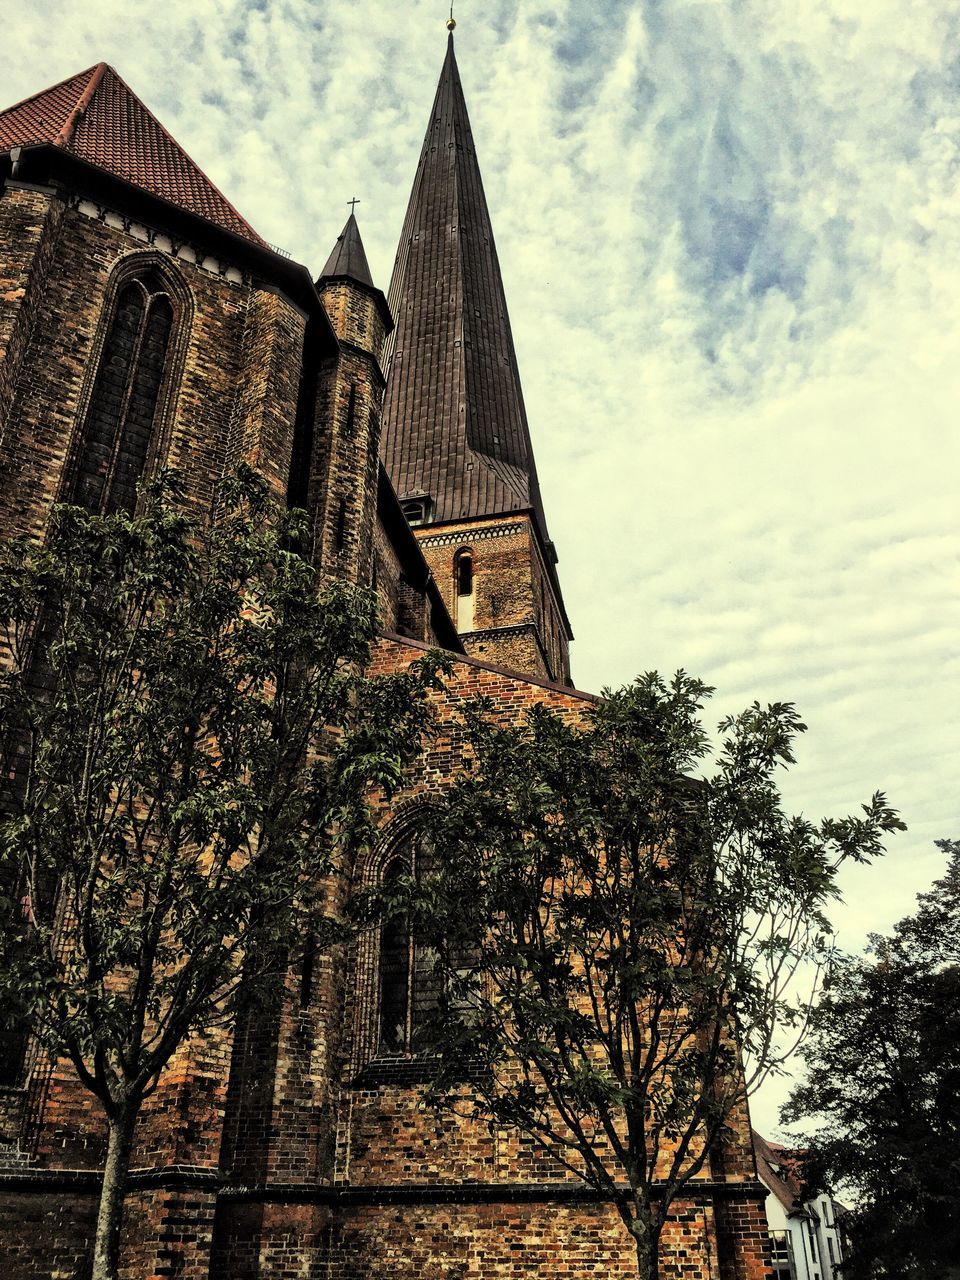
144,321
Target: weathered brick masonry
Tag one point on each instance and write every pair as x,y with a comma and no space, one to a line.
297,1147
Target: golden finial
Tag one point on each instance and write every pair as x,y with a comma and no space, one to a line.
451,21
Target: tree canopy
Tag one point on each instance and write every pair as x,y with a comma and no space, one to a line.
615,927
189,746
882,1089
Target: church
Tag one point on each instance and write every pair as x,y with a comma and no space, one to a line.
144,322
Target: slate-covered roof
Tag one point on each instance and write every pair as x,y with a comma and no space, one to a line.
95,116
348,258
454,420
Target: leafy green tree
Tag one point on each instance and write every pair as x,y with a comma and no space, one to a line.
883,1088
610,935
189,745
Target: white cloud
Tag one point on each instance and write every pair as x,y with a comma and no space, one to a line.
730,233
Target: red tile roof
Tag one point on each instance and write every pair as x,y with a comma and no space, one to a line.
95,116
781,1169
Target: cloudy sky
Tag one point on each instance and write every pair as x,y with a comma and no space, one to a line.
730,236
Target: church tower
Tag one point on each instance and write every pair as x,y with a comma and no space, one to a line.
346,399
455,436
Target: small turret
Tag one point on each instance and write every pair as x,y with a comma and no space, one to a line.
349,405
357,309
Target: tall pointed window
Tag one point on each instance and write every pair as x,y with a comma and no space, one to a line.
408,986
464,588
122,416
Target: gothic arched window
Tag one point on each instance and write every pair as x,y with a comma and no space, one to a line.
408,987
123,407
464,588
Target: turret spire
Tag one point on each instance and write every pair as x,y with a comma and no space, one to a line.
348,258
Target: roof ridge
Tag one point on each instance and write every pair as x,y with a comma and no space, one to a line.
43,93
182,149
69,125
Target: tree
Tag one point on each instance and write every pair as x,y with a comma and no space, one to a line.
883,1085
610,934
189,745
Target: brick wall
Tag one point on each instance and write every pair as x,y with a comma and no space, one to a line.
230,392
459,1239
46,1236
29,226
516,619
349,403
233,368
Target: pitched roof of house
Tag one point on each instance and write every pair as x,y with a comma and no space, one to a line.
95,116
780,1168
454,420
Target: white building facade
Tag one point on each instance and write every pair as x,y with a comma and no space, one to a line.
805,1240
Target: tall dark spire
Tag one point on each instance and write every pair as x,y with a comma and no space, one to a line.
454,421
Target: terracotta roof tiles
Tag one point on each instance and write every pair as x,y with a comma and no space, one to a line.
780,1169
95,116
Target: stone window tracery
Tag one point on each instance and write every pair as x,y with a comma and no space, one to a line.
121,418
408,990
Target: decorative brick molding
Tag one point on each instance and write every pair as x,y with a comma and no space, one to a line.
480,534
186,251
467,1193
496,633
87,1181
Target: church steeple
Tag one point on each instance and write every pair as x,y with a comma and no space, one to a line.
455,438
454,418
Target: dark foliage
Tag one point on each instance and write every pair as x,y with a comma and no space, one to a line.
883,1084
189,744
610,936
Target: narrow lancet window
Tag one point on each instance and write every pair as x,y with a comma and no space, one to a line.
123,408
463,579
396,945
409,990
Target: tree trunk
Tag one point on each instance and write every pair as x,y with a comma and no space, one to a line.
106,1247
646,1242
648,1264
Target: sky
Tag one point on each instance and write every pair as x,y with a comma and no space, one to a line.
730,239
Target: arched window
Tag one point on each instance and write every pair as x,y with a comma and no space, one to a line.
395,949
123,407
464,588
408,986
